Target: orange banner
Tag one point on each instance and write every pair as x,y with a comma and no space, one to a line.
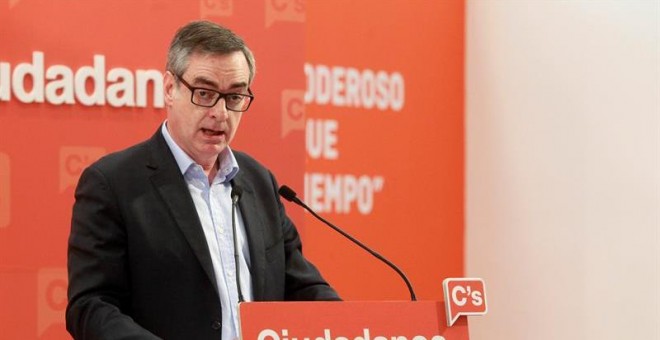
384,142
359,107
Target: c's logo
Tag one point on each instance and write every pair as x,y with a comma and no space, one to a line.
73,160
464,296
284,10
51,297
293,111
221,8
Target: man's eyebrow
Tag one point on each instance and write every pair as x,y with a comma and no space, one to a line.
202,81
240,85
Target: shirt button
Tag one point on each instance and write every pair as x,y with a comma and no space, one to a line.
216,325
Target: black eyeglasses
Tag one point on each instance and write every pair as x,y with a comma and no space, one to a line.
200,96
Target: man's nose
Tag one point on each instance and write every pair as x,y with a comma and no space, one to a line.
219,111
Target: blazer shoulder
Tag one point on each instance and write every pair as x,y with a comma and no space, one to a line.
134,160
123,159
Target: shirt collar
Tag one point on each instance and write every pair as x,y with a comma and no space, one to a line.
228,165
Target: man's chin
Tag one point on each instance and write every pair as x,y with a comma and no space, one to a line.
214,150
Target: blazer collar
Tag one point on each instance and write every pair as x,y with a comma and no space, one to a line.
169,182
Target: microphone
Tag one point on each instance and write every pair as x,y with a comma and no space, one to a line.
291,196
236,192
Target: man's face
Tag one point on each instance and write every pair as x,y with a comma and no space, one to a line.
203,132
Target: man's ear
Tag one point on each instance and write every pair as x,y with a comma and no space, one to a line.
169,87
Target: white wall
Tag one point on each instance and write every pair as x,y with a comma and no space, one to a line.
563,171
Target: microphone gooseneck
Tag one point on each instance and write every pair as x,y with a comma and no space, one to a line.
236,192
291,196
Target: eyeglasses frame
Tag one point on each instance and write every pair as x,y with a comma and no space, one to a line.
221,95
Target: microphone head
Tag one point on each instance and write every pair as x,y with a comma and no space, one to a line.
236,192
287,193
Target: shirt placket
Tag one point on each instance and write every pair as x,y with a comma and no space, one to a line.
222,219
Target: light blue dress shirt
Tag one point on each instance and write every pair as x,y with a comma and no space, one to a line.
213,204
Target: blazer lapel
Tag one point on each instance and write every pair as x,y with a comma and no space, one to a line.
253,222
169,182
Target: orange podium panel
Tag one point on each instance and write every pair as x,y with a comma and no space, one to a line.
350,320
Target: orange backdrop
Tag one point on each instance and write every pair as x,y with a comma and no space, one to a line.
359,108
416,218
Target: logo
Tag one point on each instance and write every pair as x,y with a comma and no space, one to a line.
284,10
4,190
73,160
220,8
51,298
293,111
13,3
464,296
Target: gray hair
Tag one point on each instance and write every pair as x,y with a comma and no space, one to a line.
207,38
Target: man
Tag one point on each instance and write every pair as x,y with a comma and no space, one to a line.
151,250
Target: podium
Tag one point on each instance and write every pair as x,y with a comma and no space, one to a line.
349,320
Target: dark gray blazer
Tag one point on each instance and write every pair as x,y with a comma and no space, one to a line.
139,266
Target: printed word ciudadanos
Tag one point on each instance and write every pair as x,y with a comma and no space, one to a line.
33,82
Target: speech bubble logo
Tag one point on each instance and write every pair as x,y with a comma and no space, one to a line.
284,10
293,111
464,296
73,160
220,8
13,3
51,297
4,190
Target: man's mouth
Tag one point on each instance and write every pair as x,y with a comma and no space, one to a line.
211,132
